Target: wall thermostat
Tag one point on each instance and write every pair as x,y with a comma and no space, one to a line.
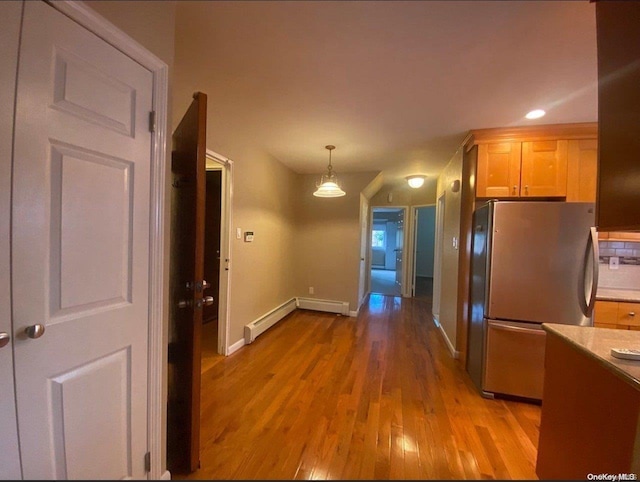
248,236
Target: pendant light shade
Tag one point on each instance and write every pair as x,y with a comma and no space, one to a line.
329,185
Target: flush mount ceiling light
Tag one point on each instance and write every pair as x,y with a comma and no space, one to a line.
415,181
535,114
328,185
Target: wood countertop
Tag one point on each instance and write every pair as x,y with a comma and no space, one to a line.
596,343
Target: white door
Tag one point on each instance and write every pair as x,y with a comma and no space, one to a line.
399,250
10,14
80,240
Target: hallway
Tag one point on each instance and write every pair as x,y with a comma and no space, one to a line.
322,396
383,281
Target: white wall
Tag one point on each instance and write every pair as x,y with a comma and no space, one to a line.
327,251
448,282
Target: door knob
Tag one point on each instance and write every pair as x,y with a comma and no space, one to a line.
34,331
207,300
4,339
183,303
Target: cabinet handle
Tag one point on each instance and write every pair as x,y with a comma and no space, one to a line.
526,190
515,190
632,313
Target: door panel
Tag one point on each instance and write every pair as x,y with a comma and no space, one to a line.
399,250
10,14
80,242
188,167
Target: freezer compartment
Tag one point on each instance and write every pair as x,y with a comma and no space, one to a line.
514,362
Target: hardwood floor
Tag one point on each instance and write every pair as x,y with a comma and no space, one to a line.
322,396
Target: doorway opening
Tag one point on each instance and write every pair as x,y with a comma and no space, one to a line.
216,258
439,241
423,260
211,290
386,248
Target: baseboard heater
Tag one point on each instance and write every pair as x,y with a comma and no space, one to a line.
257,327
262,324
340,307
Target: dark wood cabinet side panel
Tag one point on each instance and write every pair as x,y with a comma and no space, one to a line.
618,40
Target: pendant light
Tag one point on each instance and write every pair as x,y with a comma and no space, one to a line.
328,185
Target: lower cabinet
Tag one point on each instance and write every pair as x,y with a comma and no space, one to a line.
617,314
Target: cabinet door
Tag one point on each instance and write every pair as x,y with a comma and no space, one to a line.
629,314
582,170
498,170
605,312
544,169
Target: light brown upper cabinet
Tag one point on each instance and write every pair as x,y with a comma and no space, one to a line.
498,169
582,170
522,169
542,162
544,169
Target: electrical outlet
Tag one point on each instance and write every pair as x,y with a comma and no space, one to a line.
311,290
614,262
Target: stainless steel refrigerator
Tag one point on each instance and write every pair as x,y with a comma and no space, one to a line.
532,262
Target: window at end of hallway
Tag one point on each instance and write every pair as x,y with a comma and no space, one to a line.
377,239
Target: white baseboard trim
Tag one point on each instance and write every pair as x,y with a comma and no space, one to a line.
166,475
331,306
263,323
454,353
236,346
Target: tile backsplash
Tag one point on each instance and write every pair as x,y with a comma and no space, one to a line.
627,274
627,252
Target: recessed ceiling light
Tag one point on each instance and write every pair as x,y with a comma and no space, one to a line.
535,114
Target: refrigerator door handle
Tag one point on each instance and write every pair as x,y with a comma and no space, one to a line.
517,329
593,238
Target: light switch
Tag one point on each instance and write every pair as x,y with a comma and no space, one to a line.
238,233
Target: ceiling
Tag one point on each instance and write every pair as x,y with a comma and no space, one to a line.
394,85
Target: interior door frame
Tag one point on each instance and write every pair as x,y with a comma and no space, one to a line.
403,289
441,206
226,196
413,235
92,21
